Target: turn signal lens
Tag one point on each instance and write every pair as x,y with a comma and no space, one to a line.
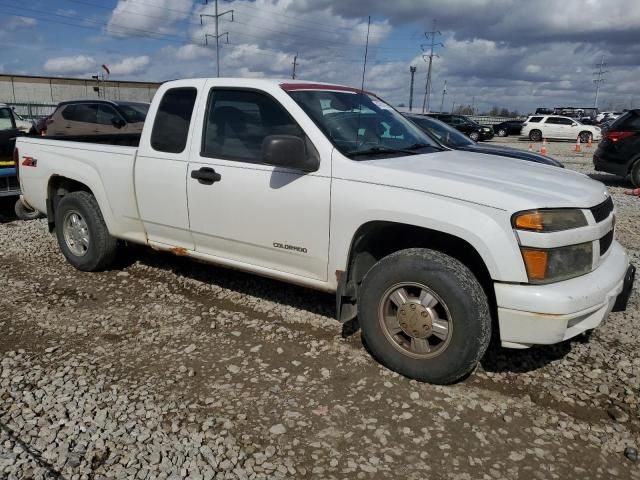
549,220
556,264
530,221
536,263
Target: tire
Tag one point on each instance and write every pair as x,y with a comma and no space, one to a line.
474,136
460,303
25,213
502,132
635,173
87,244
585,136
535,135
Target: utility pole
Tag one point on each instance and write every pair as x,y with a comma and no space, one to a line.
413,72
295,63
217,36
444,92
453,107
473,105
427,88
599,78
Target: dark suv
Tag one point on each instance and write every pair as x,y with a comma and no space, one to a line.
619,149
471,129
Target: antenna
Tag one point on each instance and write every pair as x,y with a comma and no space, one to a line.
364,69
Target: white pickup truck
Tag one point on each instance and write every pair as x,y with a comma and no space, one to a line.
326,186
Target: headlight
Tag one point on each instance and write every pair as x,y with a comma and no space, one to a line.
549,220
555,264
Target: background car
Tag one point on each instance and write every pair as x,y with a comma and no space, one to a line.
473,130
96,117
25,126
509,127
537,127
619,150
452,138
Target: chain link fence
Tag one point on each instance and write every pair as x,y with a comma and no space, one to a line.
33,111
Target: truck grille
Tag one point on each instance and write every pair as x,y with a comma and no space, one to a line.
605,242
603,210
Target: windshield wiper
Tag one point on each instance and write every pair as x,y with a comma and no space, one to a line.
417,146
376,150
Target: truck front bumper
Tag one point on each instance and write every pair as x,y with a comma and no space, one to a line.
545,314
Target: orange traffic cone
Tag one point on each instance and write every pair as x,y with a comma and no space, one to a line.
578,149
531,147
635,192
590,142
543,150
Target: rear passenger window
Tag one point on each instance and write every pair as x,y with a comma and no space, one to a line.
534,120
629,121
238,121
171,126
82,112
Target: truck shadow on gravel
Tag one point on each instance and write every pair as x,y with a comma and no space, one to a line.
496,359
508,360
248,284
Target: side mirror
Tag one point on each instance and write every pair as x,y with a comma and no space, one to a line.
288,151
118,122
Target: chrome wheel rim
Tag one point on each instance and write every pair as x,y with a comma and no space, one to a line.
502,133
76,233
415,320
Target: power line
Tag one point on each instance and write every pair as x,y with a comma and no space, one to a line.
427,88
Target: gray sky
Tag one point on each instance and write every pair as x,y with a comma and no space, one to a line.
512,53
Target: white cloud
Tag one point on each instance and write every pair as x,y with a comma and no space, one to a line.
14,23
70,65
130,65
192,52
132,17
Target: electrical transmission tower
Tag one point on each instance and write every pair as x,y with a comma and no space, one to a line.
295,64
427,88
600,78
412,70
217,35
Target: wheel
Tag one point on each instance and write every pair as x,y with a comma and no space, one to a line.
585,136
25,213
635,173
535,135
424,315
502,132
82,234
474,136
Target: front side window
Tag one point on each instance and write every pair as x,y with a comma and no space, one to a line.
106,114
238,121
565,121
171,126
552,121
6,119
134,112
360,124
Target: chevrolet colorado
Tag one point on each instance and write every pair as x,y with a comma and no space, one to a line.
329,187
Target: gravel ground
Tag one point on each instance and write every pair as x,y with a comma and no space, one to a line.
167,368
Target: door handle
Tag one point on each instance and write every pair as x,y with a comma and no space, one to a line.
206,176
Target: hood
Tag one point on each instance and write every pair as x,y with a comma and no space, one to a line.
511,152
478,178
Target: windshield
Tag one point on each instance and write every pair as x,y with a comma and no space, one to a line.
447,135
360,124
134,112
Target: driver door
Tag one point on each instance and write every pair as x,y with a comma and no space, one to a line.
244,211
